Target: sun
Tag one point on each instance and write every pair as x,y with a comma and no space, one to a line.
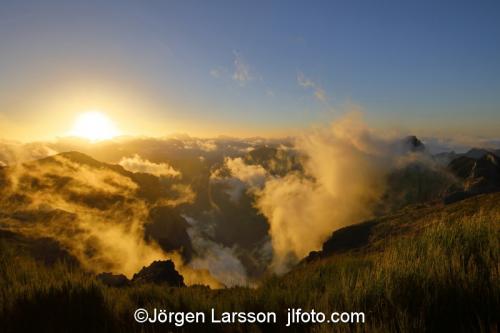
94,126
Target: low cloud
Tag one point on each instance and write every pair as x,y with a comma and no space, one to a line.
182,194
344,177
459,144
239,176
253,175
221,261
12,152
93,212
137,164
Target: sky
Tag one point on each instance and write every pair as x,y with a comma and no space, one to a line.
245,68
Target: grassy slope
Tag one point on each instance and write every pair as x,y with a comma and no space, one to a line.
427,268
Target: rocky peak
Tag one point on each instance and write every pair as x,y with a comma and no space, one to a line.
160,272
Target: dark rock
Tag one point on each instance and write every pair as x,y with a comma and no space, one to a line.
485,176
476,153
413,144
169,230
414,183
113,280
312,256
160,272
478,176
455,197
462,166
349,238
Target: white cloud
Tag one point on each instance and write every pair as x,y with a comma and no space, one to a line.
242,176
253,175
222,262
138,164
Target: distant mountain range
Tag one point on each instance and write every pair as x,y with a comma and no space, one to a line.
37,192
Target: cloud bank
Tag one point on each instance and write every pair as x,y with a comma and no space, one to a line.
93,212
344,176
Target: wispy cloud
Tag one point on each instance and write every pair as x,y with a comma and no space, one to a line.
218,72
242,72
319,92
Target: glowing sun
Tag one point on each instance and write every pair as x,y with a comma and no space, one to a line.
94,126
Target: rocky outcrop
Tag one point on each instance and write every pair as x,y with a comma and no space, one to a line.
113,280
160,272
478,176
413,144
169,230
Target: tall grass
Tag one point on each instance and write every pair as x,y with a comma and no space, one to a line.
443,279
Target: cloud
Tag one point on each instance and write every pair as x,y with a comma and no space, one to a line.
12,152
137,164
253,175
184,195
344,177
242,73
94,213
319,92
104,238
207,145
221,261
187,142
239,176
459,144
218,72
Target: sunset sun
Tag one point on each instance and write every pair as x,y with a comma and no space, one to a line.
94,126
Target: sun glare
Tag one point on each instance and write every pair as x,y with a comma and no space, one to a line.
94,126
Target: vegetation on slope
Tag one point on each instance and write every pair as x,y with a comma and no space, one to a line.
444,277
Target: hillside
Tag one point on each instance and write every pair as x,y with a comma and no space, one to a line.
427,268
371,236
91,211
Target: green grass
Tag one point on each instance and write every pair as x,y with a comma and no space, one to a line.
444,278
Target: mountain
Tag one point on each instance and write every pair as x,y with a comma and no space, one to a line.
426,268
371,236
418,265
413,144
445,158
477,153
71,196
477,176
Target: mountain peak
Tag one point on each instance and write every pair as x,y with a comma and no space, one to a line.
413,144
